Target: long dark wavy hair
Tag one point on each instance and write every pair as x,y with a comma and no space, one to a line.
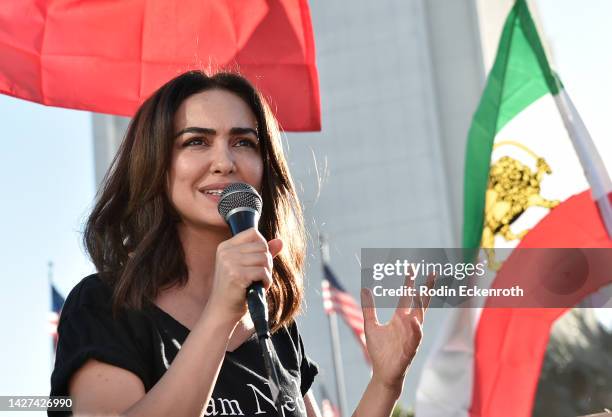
131,234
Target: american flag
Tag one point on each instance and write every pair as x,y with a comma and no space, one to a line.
337,300
328,409
57,302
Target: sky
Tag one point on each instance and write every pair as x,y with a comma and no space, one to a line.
47,184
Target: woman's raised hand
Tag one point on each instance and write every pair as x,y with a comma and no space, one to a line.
240,261
392,346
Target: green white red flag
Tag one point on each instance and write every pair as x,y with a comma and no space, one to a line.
529,161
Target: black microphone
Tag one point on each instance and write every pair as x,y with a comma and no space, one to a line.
240,206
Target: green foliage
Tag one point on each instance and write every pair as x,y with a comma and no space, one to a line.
399,411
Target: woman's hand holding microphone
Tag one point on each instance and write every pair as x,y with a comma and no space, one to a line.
240,261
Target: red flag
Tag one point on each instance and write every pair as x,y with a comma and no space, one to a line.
510,343
109,56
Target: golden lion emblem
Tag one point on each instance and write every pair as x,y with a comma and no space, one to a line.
513,187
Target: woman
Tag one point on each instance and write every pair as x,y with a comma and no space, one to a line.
162,329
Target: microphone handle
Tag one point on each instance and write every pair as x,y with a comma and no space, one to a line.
258,308
242,219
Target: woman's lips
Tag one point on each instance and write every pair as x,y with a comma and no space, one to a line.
214,191
213,197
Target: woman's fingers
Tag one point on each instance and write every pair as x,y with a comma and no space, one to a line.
431,281
253,274
254,247
240,261
420,304
259,244
414,305
255,259
249,248
368,307
275,246
417,307
246,236
403,304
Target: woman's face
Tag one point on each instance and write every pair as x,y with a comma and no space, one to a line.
216,144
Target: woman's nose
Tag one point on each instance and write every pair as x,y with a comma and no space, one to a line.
223,160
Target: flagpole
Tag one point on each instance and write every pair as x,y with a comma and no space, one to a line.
50,286
592,164
335,339
50,272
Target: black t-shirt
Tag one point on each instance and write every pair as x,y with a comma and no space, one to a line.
145,342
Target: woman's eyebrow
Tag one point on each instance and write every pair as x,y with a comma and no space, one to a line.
209,131
243,131
200,130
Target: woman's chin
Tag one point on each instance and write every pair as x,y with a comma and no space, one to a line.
217,226
210,225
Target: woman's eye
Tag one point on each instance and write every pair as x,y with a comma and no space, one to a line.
194,142
246,142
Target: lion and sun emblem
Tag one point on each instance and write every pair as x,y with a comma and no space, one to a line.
513,187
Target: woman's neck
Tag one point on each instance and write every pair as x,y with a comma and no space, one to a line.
200,247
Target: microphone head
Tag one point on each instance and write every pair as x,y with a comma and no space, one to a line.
239,196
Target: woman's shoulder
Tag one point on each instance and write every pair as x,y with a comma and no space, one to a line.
88,329
88,311
293,330
90,292
308,369
291,334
